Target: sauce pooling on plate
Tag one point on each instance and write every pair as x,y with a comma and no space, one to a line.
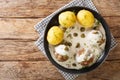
80,47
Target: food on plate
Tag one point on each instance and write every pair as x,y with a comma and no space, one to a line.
84,57
61,53
80,44
95,37
67,19
85,18
55,35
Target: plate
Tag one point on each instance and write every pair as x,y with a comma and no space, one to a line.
54,22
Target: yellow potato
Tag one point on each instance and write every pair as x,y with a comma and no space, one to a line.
55,35
85,18
67,19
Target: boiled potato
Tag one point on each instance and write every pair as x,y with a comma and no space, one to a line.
55,35
67,19
85,18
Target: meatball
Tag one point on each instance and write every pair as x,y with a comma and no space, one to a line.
61,58
61,53
87,62
84,57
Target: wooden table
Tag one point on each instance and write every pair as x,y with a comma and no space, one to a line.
20,59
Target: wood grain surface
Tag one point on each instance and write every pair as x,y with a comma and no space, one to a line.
20,59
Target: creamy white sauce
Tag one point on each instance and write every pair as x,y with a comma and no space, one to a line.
85,42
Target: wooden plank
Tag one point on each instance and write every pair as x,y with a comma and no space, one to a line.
114,24
42,8
18,28
19,50
44,70
12,8
24,28
29,8
108,7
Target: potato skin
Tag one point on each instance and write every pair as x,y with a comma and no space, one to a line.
85,18
55,35
67,19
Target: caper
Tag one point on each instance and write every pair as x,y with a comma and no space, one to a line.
82,29
68,43
74,64
82,35
69,36
75,34
78,45
97,22
64,29
66,48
